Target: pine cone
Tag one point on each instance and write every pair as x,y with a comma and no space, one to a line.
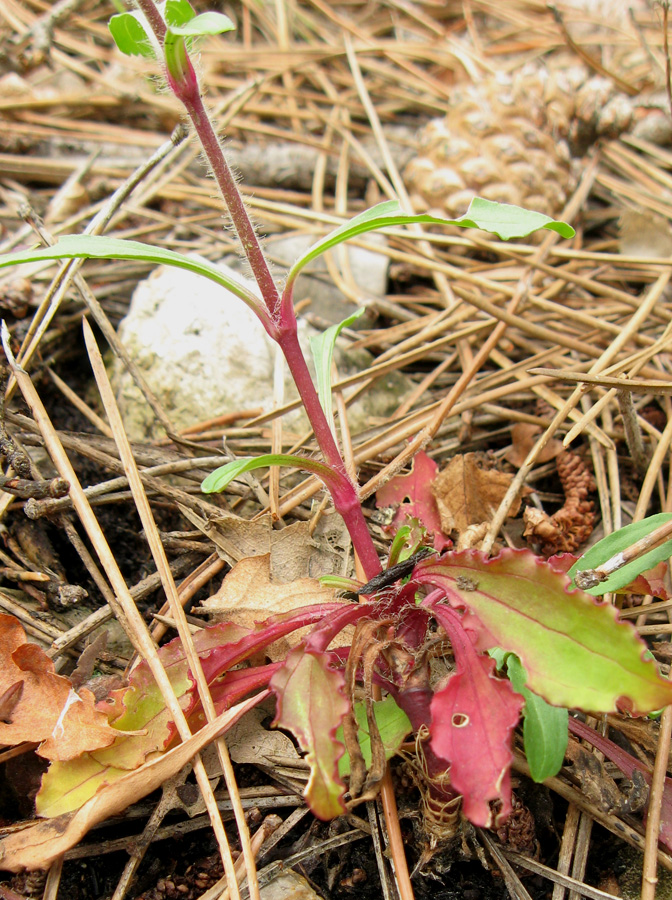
508,139
572,525
519,832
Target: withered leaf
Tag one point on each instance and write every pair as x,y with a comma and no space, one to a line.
40,844
248,594
48,709
467,494
524,436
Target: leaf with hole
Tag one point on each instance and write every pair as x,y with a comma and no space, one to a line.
473,719
575,651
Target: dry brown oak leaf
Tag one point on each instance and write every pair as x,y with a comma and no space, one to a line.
40,706
467,494
249,595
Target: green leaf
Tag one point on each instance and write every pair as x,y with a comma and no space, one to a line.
545,728
502,219
87,246
575,651
617,542
177,13
311,704
68,785
130,36
322,347
220,478
393,725
205,24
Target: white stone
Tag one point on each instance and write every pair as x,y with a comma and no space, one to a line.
204,353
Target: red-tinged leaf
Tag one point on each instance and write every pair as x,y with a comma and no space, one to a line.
413,497
562,562
473,719
140,708
40,705
311,704
218,656
575,651
68,785
652,582
231,688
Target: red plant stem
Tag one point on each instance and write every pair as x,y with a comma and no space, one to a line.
283,326
191,98
153,16
345,495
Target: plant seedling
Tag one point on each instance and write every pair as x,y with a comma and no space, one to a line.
570,649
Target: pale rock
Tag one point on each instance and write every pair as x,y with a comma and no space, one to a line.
204,353
288,886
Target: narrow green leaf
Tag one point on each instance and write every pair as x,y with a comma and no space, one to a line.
393,725
322,347
87,246
177,13
575,651
617,542
130,36
220,478
502,219
545,727
205,24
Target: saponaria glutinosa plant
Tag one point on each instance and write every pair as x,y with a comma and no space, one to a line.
569,648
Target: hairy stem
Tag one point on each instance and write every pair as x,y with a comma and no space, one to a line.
187,90
184,85
234,201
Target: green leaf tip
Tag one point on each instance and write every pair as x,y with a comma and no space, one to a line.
507,221
178,12
220,478
130,36
205,24
617,542
502,219
545,729
322,348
